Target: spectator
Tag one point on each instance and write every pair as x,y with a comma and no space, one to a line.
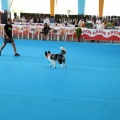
101,25
81,23
52,20
47,20
23,19
45,30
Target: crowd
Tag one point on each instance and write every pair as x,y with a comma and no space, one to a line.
96,22
99,23
33,20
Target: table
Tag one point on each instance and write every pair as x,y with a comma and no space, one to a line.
88,34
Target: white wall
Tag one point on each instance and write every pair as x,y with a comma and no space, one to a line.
64,5
43,6
92,7
31,6
111,7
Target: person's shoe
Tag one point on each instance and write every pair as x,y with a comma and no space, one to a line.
16,54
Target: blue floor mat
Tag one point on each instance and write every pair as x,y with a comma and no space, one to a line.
88,89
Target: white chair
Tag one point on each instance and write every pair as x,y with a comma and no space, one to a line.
38,32
69,32
63,32
1,31
20,31
32,31
55,34
26,32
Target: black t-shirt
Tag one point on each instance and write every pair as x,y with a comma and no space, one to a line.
46,28
8,29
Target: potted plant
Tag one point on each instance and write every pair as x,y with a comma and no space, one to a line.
110,25
78,34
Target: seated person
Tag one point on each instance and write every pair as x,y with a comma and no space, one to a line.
101,25
45,30
66,24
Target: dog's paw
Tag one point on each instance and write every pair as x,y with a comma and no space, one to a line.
50,65
62,67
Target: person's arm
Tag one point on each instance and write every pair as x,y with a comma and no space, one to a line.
5,33
43,30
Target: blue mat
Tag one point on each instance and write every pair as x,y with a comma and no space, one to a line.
88,89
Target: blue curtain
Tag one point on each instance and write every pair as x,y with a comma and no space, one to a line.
81,6
5,4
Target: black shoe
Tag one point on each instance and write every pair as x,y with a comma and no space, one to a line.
0,53
17,54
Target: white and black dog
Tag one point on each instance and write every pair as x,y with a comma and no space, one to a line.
60,58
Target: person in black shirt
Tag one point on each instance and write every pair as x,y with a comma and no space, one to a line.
8,37
45,30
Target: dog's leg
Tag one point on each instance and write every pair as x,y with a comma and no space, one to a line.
62,66
50,65
65,65
54,64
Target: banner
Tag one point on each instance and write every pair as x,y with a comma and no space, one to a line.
103,34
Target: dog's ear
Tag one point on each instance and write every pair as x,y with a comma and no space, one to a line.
49,52
45,53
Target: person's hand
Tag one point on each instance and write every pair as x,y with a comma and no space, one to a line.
7,37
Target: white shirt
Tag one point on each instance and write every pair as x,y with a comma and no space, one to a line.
23,19
79,22
101,26
47,21
98,21
32,20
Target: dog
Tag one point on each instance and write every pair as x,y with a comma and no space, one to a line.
60,58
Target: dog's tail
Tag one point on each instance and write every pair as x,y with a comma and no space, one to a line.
63,51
